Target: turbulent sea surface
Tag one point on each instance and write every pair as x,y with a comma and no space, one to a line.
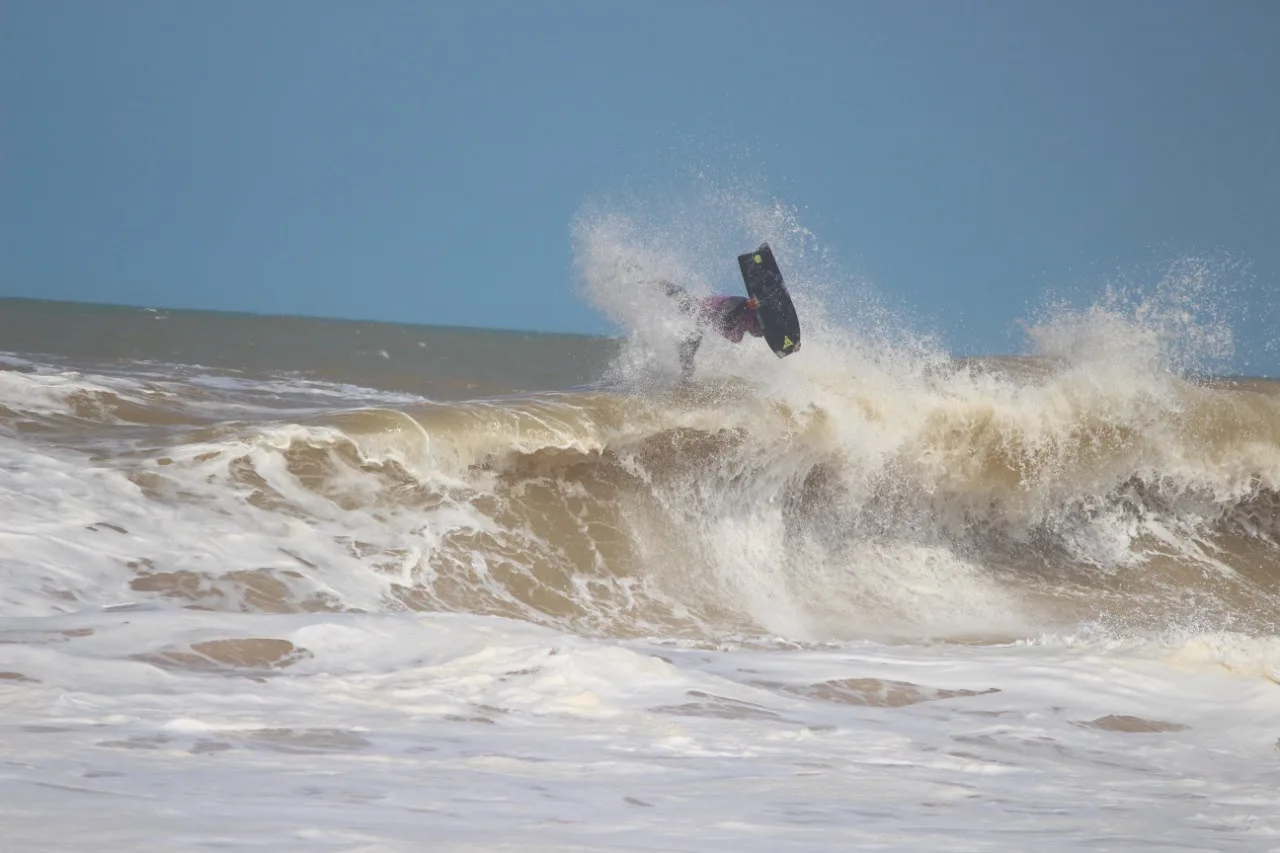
278,583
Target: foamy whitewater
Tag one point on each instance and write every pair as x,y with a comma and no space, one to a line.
868,597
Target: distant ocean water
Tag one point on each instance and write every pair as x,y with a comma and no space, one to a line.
286,583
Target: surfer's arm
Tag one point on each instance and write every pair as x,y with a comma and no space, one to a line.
683,300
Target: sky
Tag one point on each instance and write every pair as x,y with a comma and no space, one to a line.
424,161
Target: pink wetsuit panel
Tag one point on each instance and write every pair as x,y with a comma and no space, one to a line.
717,310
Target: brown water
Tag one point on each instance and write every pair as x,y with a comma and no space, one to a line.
275,465
443,363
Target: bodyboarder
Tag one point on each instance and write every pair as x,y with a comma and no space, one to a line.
731,316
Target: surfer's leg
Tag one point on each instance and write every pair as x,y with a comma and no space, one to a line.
689,348
687,305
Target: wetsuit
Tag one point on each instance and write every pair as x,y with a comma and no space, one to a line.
731,317
728,315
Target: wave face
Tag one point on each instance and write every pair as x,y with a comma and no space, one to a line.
880,489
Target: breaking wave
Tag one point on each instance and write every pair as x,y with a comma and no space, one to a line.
992,499
870,486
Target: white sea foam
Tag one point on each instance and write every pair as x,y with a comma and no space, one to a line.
133,724
485,733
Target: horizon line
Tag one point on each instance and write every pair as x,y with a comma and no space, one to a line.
124,306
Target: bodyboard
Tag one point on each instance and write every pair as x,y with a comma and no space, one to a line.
777,315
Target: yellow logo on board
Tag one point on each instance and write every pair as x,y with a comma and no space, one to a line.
758,259
786,342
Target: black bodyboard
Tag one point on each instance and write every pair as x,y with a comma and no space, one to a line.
777,315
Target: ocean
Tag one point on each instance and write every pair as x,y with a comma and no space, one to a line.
276,583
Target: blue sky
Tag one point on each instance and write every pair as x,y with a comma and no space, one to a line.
424,161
